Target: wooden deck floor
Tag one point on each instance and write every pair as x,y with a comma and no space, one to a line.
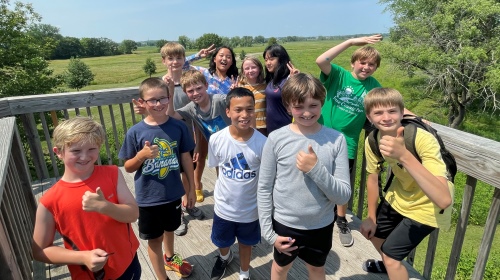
197,248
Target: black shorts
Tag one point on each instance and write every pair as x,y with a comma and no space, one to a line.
154,220
401,234
314,245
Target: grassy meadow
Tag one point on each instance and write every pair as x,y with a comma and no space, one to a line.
126,71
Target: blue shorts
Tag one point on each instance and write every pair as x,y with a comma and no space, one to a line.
154,220
224,232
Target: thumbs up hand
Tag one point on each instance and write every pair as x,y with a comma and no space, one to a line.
393,147
149,151
94,202
306,160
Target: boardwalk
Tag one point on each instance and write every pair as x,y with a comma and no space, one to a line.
196,247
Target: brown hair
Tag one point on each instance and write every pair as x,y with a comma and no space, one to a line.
192,77
172,49
366,52
301,86
151,83
242,80
383,97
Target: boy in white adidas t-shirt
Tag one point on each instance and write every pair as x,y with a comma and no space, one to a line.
236,150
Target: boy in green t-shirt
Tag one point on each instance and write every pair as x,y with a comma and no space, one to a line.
343,109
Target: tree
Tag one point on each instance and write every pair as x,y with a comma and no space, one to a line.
127,46
149,67
68,47
246,41
243,54
23,68
272,41
47,36
186,42
259,39
207,40
235,41
159,44
78,74
455,44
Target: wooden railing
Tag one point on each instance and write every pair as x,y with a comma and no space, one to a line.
477,157
17,205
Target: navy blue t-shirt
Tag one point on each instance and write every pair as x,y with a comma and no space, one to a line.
158,180
277,115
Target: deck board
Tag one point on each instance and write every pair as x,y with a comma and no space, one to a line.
197,248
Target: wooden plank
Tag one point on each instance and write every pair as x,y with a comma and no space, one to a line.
34,143
9,268
476,156
489,233
48,140
60,101
462,222
431,252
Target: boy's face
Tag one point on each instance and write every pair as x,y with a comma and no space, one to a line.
78,158
223,60
197,92
306,113
155,100
386,118
241,111
363,68
174,61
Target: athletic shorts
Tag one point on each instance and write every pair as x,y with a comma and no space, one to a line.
401,234
314,245
154,220
224,232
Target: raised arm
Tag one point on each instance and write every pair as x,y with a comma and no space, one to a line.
323,61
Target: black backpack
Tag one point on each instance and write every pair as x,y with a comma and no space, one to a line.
411,123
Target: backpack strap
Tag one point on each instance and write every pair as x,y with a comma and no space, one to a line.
374,146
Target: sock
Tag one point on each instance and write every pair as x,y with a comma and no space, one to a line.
168,259
244,274
226,256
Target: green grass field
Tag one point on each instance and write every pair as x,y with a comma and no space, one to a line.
126,71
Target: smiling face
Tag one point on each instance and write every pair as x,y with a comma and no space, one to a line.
174,61
155,100
223,61
306,114
387,118
79,159
197,92
272,63
364,68
251,71
241,111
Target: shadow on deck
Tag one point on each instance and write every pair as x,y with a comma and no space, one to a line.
197,248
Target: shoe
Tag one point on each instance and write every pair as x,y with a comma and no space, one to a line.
345,234
220,267
178,265
182,229
200,196
374,266
194,212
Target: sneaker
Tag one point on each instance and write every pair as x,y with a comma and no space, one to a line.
345,234
194,212
200,196
182,229
178,265
220,267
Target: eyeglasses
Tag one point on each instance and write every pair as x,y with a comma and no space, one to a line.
154,102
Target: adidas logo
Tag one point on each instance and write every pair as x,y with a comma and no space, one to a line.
238,168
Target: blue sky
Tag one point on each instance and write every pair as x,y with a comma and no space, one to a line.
168,19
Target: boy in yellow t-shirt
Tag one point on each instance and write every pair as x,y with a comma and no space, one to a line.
412,207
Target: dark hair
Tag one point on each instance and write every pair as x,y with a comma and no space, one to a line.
282,72
232,71
238,92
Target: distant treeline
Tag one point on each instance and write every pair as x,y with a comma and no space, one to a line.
65,47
